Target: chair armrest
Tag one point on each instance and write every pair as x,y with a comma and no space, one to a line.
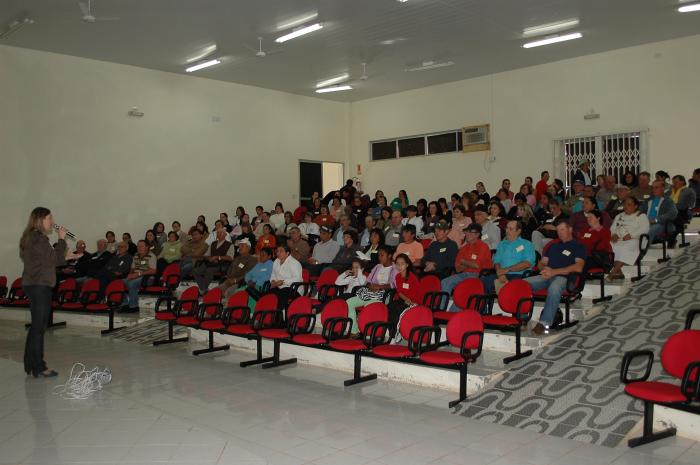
169,299
388,296
690,385
265,287
87,297
235,315
111,302
627,360
202,311
575,283
178,307
690,317
148,280
330,330
308,289
467,353
479,300
420,337
525,316
436,301
264,319
375,333
294,325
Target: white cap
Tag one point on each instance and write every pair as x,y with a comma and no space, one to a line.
245,241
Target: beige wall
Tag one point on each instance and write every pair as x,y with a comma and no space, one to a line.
648,87
67,143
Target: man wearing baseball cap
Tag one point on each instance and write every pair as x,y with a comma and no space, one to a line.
324,252
241,264
441,254
473,257
575,201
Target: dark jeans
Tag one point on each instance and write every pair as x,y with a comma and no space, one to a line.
40,308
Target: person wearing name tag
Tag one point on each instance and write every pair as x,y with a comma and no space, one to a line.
414,220
440,256
642,191
256,278
626,230
324,252
616,204
473,257
661,212
596,240
392,232
286,270
143,264
561,258
490,232
459,222
241,264
410,247
117,267
575,201
408,293
514,255
546,231
579,219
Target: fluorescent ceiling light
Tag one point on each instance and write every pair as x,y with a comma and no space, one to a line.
206,64
206,51
299,33
333,80
431,65
297,21
550,27
553,40
333,89
689,8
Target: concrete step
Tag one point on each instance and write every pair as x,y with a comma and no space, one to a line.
99,321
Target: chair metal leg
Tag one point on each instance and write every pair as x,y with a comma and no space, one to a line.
518,354
648,434
567,323
462,386
276,357
357,373
111,328
664,254
259,358
170,338
603,297
210,347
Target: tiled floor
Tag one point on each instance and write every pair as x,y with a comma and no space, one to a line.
166,406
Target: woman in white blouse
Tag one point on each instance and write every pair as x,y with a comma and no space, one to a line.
626,229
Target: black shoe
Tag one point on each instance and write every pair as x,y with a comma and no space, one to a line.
46,374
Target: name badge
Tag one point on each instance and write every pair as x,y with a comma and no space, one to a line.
408,252
395,234
266,241
520,248
587,236
566,253
443,250
121,263
646,196
614,197
406,286
551,220
620,207
484,237
474,256
432,224
241,265
580,199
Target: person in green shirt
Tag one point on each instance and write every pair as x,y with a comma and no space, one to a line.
170,253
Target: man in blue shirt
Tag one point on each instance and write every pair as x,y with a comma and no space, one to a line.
560,259
260,274
513,256
661,212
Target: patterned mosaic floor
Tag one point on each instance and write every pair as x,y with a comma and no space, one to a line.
148,331
571,388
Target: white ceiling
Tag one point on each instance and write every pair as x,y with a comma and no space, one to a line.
480,36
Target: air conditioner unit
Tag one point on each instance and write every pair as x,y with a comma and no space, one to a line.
476,138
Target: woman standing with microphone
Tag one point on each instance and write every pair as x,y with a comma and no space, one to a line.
38,280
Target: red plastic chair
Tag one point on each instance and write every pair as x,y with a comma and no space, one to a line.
334,321
115,295
372,323
414,321
516,300
169,281
266,314
465,332
297,314
467,295
187,303
89,294
3,286
680,358
209,310
426,243
325,285
67,291
16,296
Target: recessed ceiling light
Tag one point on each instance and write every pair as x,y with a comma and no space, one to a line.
550,28
402,1
553,40
297,21
333,80
333,89
689,8
206,64
431,65
299,32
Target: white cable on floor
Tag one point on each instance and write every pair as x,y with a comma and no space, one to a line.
82,383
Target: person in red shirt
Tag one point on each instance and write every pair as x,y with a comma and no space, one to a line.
473,257
324,218
597,241
408,293
541,186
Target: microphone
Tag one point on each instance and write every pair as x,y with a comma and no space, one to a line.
68,233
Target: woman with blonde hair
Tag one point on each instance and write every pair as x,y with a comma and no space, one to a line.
38,280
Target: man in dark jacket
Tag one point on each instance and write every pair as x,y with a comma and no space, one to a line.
117,267
95,262
583,174
661,212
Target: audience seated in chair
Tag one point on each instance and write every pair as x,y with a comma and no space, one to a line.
117,267
410,247
392,232
439,258
286,270
298,246
241,264
324,252
260,274
661,212
684,198
559,260
625,233
216,260
142,264
192,252
170,252
347,253
514,255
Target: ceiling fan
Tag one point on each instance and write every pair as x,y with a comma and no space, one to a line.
89,16
259,52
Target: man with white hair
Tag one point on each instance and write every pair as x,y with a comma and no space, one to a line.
217,258
606,193
241,264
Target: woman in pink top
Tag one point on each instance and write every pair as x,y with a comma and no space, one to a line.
459,222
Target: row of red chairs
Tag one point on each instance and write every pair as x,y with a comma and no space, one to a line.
295,325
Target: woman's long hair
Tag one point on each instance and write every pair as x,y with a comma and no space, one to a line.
33,224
